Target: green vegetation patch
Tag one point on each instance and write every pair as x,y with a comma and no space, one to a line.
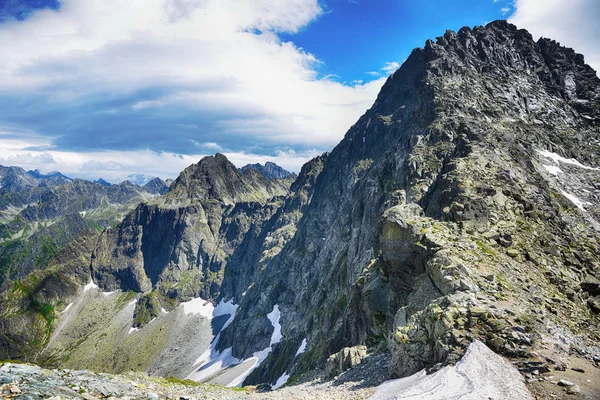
185,382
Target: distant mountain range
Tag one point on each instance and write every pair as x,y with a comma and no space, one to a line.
52,175
40,213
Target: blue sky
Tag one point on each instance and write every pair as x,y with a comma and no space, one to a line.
111,88
353,38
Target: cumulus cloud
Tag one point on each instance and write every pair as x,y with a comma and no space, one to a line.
31,152
390,67
573,23
173,76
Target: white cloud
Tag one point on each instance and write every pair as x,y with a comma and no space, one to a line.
390,67
116,166
573,23
213,56
505,10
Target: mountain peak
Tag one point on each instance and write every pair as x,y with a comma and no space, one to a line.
102,182
269,169
216,178
156,186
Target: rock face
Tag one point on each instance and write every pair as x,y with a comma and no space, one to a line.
156,186
464,205
446,180
182,244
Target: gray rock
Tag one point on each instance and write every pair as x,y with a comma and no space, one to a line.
574,389
564,382
345,359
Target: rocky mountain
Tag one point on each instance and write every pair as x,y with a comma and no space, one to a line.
156,186
56,176
463,207
102,182
41,213
270,170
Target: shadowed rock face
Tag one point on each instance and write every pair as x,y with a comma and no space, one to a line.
181,244
464,203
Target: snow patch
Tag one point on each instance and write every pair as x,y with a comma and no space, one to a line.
212,362
281,381
199,306
225,308
215,363
553,169
109,293
67,308
302,347
89,286
480,374
274,317
556,158
162,310
574,200
259,356
132,329
82,213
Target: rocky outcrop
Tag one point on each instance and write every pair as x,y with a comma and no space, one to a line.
344,359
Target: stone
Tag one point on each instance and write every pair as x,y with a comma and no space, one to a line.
14,389
345,359
564,382
577,369
512,252
574,389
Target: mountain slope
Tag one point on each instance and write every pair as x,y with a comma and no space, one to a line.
464,205
441,184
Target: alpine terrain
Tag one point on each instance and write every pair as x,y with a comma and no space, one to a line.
450,242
